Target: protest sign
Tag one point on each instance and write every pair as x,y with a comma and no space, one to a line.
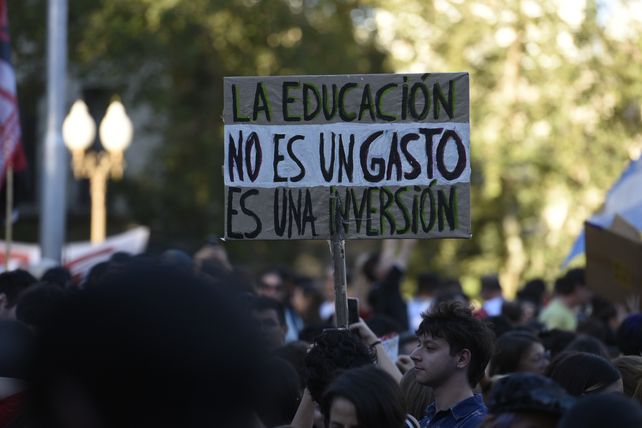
613,256
388,153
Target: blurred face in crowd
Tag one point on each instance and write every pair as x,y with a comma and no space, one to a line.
343,414
534,360
271,329
6,312
583,295
300,302
271,285
433,362
490,294
529,310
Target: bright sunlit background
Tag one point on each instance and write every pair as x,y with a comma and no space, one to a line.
556,91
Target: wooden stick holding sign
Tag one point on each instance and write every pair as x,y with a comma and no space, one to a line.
339,261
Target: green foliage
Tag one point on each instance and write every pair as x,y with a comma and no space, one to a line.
173,55
550,91
554,104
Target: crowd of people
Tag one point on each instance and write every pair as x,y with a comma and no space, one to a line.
194,341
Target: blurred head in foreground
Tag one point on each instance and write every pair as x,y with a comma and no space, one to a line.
149,345
16,352
608,410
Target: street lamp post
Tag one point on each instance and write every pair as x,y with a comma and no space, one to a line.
116,132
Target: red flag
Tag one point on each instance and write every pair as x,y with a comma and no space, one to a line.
11,150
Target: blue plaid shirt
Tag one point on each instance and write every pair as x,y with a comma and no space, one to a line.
468,413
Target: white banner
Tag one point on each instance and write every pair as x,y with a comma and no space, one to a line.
347,154
78,257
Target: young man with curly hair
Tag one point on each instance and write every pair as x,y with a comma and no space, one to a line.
452,353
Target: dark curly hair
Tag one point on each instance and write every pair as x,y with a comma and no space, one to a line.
528,392
334,350
453,321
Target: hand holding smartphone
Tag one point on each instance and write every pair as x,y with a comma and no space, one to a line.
353,310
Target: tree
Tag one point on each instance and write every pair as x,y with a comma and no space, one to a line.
172,56
555,90
551,123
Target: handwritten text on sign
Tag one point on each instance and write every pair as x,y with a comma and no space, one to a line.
392,151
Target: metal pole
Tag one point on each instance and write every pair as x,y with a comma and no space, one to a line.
54,154
8,217
339,259
98,191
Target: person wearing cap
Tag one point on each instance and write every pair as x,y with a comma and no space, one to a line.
526,399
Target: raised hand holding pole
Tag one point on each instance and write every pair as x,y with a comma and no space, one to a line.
339,261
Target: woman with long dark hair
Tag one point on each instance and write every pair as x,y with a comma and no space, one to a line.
518,351
581,373
366,397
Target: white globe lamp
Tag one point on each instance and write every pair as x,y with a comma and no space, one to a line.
116,129
78,128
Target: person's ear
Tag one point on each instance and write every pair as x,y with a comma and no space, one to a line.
463,358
